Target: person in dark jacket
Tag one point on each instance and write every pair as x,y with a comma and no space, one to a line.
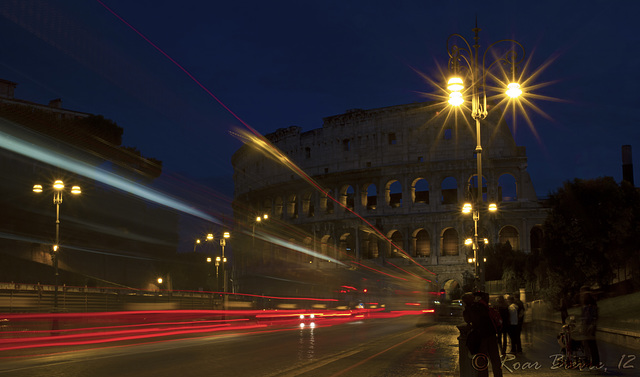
481,341
503,309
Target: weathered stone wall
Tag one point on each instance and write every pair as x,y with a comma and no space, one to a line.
405,170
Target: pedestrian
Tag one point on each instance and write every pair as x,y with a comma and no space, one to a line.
503,309
481,341
513,330
521,312
564,309
589,322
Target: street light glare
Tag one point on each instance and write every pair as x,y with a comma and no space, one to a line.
493,207
75,190
37,188
513,90
466,208
455,99
455,84
58,185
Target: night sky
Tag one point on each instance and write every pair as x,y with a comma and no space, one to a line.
281,63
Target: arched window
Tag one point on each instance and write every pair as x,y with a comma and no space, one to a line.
347,195
394,194
510,234
347,246
308,207
292,206
420,190
396,238
371,246
450,242
449,189
278,207
535,238
473,187
372,197
422,244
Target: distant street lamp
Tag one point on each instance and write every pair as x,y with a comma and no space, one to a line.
196,243
223,243
467,58
58,189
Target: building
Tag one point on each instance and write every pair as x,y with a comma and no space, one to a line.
405,170
107,237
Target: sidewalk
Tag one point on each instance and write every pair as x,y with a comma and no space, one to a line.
541,355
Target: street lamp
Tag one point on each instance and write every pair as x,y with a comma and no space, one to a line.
196,243
223,243
58,189
467,58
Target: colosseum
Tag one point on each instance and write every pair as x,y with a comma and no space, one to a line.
382,190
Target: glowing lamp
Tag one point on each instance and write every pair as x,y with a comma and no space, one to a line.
466,208
455,84
493,207
468,241
513,90
226,235
58,185
75,190
455,99
37,188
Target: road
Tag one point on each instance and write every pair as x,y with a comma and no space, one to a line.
380,347
357,348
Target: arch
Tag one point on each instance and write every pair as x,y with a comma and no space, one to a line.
347,247
450,242
393,193
472,184
371,197
327,246
449,191
396,238
510,234
347,196
370,246
292,206
326,203
535,239
507,188
308,207
420,191
278,207
452,290
421,243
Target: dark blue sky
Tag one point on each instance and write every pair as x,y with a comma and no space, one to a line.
283,63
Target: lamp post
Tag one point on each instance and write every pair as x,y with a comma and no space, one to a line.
466,58
223,243
258,220
58,189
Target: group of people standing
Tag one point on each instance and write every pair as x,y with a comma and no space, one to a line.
488,335
512,311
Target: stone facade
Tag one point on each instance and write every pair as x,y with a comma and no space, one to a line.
405,170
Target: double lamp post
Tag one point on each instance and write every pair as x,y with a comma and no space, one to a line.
58,189
466,67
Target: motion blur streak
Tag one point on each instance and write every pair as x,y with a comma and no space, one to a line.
39,153
292,246
271,151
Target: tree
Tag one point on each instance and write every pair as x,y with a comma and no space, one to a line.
591,229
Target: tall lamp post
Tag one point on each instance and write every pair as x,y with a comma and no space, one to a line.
223,243
58,189
466,58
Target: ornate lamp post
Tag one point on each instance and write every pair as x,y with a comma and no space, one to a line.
58,189
467,58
